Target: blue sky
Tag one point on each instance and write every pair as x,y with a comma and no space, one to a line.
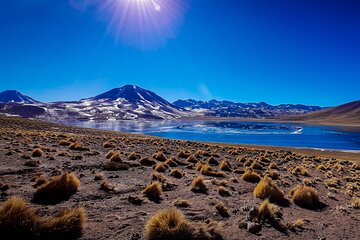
279,51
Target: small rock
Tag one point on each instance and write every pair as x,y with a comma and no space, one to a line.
253,228
252,214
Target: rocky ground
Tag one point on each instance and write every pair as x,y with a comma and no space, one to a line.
116,207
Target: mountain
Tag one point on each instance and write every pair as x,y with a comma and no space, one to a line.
15,96
124,103
133,102
244,110
348,113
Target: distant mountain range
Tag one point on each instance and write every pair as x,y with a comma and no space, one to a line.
244,110
348,113
133,102
127,102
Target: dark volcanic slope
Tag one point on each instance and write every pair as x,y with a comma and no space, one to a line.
112,216
15,96
348,113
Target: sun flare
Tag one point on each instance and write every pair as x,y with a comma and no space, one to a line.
143,22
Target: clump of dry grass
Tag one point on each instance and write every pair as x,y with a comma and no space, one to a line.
116,157
105,186
108,144
332,182
192,159
19,221
176,173
273,165
37,152
110,154
250,176
222,209
159,156
133,156
78,147
212,161
300,170
355,203
321,167
198,185
256,166
208,171
65,143
147,162
57,189
267,189
98,176
171,162
225,166
239,170
116,166
181,203
171,224
268,211
153,191
223,192
305,197
136,200
184,154
160,167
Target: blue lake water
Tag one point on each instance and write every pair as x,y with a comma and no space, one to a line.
258,133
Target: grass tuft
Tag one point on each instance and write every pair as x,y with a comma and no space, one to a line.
305,197
267,189
19,221
57,189
198,185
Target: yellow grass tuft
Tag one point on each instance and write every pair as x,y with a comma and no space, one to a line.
355,203
223,192
57,189
159,156
305,197
198,185
37,152
268,211
250,176
168,224
181,203
176,173
222,209
19,221
110,154
153,191
116,157
171,224
267,189
78,147
225,165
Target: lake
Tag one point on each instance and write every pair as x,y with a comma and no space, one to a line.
257,133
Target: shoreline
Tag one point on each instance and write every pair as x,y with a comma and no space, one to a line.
349,127
325,153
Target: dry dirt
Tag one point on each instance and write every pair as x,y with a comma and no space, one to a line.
111,215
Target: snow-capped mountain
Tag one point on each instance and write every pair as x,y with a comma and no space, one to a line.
133,102
124,103
245,110
15,96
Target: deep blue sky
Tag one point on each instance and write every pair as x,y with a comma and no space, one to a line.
278,51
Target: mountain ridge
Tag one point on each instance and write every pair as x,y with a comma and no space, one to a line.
133,102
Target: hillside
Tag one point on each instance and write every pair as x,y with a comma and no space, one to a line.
348,113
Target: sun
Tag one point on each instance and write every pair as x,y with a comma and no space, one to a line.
143,22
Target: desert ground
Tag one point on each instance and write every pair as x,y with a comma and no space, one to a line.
93,184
